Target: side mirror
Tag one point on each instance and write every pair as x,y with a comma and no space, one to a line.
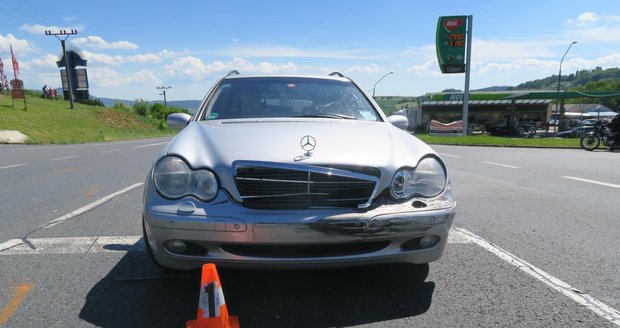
399,121
178,120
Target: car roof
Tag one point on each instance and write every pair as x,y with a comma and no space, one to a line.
330,77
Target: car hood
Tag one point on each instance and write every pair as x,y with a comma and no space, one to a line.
217,144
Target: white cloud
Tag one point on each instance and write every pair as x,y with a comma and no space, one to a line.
94,58
587,18
196,69
106,77
430,68
97,42
151,57
372,68
47,61
146,58
20,46
595,34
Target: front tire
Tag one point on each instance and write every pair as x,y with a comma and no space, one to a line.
590,142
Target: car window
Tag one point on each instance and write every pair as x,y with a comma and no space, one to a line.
288,97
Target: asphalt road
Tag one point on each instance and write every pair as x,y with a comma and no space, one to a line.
530,222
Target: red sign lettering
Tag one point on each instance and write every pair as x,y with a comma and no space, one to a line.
452,24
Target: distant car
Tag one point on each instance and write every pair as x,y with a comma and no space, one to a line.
294,171
577,132
589,122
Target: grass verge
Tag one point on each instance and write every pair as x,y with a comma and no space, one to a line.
487,140
51,121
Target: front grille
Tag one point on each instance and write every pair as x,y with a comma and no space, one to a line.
286,186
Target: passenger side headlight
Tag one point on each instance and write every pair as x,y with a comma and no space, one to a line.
174,179
427,179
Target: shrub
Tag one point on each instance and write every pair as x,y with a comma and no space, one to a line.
141,107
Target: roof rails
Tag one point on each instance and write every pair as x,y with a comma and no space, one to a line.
336,74
233,72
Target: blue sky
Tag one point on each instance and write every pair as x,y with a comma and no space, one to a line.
134,46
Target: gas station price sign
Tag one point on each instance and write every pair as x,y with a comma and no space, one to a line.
450,43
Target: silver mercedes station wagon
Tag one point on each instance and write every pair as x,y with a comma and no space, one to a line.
294,172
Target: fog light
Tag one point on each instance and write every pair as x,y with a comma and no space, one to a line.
176,246
429,241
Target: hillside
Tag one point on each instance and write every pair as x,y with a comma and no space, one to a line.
51,121
190,105
571,80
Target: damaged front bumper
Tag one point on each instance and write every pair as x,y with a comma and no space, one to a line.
186,233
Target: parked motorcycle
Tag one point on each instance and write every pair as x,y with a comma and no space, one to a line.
601,133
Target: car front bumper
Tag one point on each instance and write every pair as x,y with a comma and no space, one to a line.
227,234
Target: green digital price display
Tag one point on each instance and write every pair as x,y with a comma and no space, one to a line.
450,43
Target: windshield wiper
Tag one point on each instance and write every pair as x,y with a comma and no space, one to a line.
326,115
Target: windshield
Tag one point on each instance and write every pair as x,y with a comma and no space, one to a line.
289,97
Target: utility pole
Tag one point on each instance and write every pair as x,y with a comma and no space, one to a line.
163,90
64,54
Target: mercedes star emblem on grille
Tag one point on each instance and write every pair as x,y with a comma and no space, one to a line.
308,143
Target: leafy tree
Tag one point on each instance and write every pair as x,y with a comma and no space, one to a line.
141,107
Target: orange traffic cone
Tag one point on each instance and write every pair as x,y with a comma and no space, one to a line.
212,310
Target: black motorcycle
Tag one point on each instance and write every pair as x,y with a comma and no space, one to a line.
601,133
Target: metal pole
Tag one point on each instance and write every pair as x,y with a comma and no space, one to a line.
163,92
470,19
558,121
64,53
375,87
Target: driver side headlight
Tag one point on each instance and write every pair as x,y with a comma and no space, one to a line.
174,179
427,179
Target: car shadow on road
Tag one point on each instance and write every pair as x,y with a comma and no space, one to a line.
135,294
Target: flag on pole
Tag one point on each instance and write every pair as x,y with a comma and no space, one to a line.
3,80
15,63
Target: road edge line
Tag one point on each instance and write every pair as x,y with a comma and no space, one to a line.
601,309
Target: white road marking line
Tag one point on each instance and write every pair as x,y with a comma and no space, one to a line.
63,158
151,145
449,155
10,166
601,309
73,245
90,206
502,165
593,182
81,210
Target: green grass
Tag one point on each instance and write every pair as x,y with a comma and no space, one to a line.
486,140
51,121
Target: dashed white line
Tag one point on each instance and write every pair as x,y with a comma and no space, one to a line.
593,182
601,309
502,165
151,145
10,166
63,158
